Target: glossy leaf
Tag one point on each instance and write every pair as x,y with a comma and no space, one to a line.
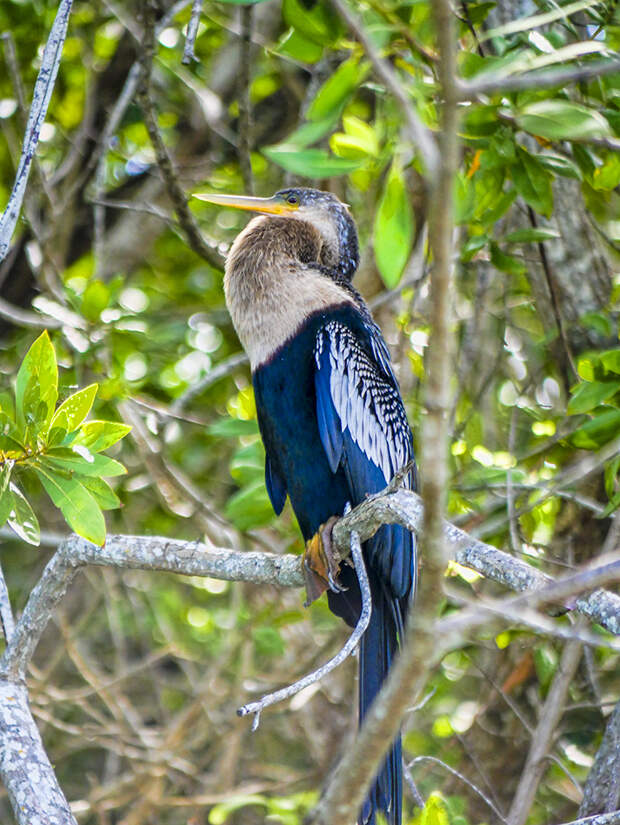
36,389
73,460
101,491
6,497
335,92
22,519
99,435
74,409
533,183
588,395
77,505
394,228
562,120
311,163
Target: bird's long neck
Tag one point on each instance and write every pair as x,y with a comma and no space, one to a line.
273,284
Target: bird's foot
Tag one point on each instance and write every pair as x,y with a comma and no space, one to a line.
319,565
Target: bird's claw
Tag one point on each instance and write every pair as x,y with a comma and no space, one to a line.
319,565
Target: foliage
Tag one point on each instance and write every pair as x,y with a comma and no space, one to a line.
57,446
138,683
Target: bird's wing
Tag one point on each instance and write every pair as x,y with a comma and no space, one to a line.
364,430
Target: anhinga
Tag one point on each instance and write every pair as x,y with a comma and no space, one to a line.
329,411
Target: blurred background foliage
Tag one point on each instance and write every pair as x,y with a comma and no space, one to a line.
135,686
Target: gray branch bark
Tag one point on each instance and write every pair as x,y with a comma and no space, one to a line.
42,94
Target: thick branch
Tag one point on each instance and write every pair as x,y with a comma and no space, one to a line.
602,790
25,770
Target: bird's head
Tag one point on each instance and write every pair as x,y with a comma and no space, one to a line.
329,216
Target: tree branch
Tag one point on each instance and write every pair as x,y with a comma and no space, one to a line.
536,80
42,94
25,769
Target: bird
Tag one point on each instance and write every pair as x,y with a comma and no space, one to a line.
330,415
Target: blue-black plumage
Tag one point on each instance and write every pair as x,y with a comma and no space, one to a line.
329,410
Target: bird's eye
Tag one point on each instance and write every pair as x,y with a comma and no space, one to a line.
292,199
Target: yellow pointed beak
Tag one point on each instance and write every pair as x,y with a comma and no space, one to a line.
269,206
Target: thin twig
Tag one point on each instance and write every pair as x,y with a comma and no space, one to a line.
464,779
419,134
42,94
192,31
348,648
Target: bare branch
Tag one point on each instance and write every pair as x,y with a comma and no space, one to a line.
42,94
192,31
612,818
550,716
602,789
25,770
348,648
243,84
536,80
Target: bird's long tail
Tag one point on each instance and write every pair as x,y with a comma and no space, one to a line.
377,650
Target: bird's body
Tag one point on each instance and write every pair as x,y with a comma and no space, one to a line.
329,411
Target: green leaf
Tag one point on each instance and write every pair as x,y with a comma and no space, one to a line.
587,396
506,263
611,360
394,228
560,166
74,409
533,182
99,435
101,491
310,163
607,176
36,390
250,507
6,497
77,505
335,92
562,120
357,141
95,299
22,519
82,462
435,811
233,427
10,437
593,434
299,47
533,235
316,23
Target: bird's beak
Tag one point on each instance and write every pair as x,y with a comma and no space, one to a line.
268,206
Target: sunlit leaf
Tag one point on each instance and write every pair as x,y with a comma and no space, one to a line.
335,92
593,434
311,163
74,409
77,505
99,435
36,390
394,228
73,460
101,491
